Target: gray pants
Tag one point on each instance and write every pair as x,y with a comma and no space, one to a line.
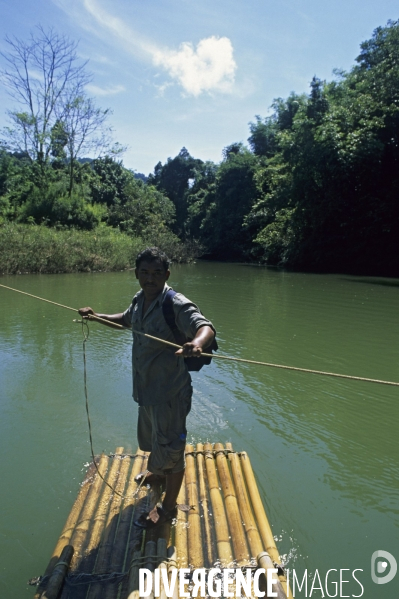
161,429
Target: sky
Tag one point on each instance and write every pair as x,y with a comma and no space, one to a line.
195,73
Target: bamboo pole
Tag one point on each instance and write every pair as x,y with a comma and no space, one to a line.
139,507
209,544
89,555
120,549
265,562
251,529
81,533
224,549
259,511
105,548
233,514
172,561
135,534
90,547
260,514
82,527
58,575
133,584
70,524
181,542
195,554
150,552
162,566
115,547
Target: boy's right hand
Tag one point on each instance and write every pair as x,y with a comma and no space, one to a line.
85,312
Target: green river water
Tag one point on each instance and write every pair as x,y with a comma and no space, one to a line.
324,451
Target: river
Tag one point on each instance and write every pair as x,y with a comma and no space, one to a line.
325,451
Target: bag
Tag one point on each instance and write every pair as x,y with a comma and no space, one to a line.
193,364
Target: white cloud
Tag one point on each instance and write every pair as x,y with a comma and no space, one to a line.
208,67
111,90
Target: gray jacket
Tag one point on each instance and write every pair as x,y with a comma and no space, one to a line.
159,375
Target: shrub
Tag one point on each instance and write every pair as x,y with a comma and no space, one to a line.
38,249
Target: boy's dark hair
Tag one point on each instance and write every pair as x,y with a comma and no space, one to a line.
151,254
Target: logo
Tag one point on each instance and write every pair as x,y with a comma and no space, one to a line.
379,566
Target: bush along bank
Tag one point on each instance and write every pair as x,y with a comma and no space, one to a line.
39,249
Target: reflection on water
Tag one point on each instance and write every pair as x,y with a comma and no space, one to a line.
324,450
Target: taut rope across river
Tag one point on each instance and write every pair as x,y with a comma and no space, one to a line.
220,357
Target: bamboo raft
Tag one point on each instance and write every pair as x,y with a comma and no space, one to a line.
100,551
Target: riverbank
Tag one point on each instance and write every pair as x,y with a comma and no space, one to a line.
38,249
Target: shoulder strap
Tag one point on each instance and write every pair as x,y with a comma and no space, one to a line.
193,364
167,308
169,315
136,297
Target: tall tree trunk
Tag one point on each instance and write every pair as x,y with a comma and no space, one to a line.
70,178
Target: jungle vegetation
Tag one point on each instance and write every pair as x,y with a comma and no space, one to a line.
316,187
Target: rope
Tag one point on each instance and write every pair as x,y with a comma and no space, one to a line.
80,578
122,456
91,578
218,356
86,332
86,578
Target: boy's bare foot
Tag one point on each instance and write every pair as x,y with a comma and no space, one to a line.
157,516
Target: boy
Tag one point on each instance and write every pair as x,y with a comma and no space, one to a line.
161,381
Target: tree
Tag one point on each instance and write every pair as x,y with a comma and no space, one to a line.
144,211
232,150
40,75
55,120
109,181
173,178
235,194
82,124
201,204
318,104
262,140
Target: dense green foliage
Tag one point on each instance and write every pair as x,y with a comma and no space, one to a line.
330,181
317,188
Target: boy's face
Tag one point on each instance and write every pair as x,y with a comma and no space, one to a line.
152,277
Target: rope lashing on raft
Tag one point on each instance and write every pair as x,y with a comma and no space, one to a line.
217,356
195,452
83,578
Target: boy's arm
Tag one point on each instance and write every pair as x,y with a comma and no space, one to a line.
203,338
112,319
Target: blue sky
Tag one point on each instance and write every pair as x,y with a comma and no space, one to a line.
195,73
